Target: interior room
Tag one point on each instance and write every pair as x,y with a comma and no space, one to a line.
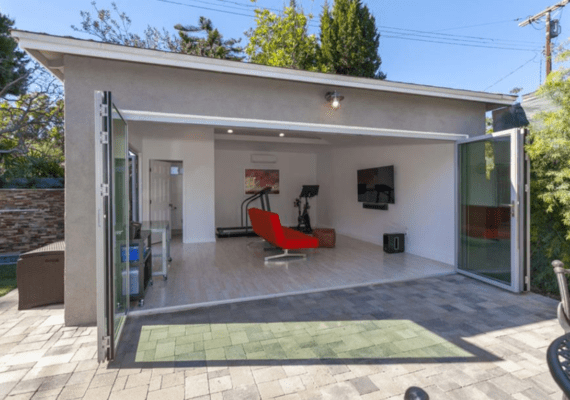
215,161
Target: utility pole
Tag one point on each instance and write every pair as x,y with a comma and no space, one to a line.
546,12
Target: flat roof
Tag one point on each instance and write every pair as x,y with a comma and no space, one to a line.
49,49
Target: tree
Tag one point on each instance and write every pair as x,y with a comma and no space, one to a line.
31,131
111,30
549,152
13,73
212,45
31,114
350,40
283,40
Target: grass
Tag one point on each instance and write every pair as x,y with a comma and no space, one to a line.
7,278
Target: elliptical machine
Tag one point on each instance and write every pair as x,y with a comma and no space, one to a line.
304,221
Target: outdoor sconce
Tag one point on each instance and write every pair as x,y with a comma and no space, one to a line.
334,98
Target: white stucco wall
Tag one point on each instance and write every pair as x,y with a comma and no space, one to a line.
424,193
295,170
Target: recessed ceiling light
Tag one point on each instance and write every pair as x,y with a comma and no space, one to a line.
281,134
230,131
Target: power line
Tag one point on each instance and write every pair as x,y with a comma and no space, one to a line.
224,5
461,36
205,8
510,73
458,44
487,23
547,13
407,33
521,46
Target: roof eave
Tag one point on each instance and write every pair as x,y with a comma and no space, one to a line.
36,43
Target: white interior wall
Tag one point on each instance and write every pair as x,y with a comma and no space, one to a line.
295,170
424,196
196,151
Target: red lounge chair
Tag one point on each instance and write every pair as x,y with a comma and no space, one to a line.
267,225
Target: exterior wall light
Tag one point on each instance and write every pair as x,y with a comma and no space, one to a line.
230,131
334,98
281,134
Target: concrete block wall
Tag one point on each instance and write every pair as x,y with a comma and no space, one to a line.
22,231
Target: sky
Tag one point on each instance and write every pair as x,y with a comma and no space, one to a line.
461,44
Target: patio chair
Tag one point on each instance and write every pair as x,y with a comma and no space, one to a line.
564,306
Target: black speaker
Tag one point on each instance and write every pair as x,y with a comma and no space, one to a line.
394,242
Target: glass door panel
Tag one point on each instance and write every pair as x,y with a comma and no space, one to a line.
112,224
120,199
485,209
493,210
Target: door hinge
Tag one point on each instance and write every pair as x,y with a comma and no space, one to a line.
106,343
104,189
103,110
104,136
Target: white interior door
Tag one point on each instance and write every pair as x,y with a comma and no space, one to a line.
159,194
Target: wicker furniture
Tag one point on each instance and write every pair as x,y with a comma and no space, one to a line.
39,275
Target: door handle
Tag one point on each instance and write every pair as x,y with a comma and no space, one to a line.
511,206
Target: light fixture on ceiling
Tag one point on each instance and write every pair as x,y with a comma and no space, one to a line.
281,134
334,98
230,131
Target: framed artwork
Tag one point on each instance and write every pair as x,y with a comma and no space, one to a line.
257,179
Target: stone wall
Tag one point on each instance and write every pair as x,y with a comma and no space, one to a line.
30,218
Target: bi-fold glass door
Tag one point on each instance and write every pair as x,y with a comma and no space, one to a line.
112,224
493,194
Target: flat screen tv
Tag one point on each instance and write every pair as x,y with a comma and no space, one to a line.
376,185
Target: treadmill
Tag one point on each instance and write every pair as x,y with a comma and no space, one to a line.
245,229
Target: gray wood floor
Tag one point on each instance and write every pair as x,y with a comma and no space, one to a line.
234,268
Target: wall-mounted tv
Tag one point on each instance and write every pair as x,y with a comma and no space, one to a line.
376,185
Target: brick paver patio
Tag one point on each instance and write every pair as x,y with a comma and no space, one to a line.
453,336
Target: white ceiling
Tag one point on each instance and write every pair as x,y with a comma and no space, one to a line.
269,140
